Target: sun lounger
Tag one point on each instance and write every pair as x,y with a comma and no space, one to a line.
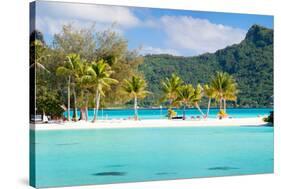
177,117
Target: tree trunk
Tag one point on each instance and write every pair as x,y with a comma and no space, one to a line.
86,108
86,112
199,109
209,105
136,108
224,107
97,105
68,99
82,113
183,114
75,105
220,103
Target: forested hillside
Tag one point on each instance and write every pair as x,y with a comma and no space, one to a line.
250,63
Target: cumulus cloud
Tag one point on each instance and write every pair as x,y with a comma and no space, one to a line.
184,33
51,16
53,26
199,35
154,50
89,12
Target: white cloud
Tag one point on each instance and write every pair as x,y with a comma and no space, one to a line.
53,26
154,50
88,12
199,35
183,33
51,16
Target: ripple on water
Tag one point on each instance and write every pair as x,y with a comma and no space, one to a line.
165,173
112,173
222,168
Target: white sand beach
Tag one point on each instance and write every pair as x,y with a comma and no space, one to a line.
106,124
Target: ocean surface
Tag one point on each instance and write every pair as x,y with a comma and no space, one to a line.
102,156
161,113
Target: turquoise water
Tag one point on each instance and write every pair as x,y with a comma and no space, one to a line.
103,156
161,114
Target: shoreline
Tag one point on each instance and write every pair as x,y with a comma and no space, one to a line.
163,123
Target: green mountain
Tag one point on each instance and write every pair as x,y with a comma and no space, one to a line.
250,62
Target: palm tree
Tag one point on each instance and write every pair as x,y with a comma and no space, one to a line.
197,96
71,69
84,91
136,89
170,87
230,94
225,88
39,51
185,95
99,78
209,93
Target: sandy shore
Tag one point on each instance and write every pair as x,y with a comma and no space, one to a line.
106,124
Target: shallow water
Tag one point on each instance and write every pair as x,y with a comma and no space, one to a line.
83,157
161,113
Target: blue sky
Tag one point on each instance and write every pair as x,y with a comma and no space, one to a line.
153,31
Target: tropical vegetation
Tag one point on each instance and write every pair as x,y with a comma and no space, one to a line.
88,69
135,88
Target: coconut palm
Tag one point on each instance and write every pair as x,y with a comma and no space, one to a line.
39,51
230,94
185,96
197,96
84,90
225,88
170,88
209,93
136,89
71,69
98,77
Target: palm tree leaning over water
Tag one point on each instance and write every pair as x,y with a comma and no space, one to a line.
136,89
99,78
70,69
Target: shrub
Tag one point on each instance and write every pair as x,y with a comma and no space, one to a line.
269,119
222,114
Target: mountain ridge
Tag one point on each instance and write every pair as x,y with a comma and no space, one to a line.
250,62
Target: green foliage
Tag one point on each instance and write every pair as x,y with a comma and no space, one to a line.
135,87
170,88
250,63
185,95
79,53
48,102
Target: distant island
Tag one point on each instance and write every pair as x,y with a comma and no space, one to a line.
249,62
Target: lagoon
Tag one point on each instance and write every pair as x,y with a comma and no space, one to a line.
83,157
161,113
